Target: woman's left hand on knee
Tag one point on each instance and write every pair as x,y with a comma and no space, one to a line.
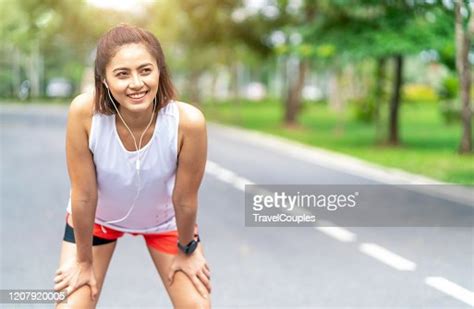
195,267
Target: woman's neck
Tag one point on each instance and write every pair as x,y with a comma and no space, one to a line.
138,121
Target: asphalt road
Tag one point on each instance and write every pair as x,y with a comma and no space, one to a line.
252,267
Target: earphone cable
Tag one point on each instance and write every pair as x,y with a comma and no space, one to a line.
138,163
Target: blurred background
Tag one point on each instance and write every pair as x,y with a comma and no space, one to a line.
386,81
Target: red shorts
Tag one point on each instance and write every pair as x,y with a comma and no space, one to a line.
165,242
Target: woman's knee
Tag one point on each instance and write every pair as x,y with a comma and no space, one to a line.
80,298
197,302
185,295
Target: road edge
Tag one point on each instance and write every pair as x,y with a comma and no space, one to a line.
352,165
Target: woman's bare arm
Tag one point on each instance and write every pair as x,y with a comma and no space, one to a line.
191,165
82,175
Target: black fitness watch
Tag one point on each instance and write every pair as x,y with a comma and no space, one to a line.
189,248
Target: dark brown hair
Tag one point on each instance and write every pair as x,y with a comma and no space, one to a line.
108,46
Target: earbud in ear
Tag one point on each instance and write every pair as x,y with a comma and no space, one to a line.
105,83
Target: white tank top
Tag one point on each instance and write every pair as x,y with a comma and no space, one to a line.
117,179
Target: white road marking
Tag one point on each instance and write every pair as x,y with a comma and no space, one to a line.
227,176
336,232
452,289
377,252
240,182
385,256
212,168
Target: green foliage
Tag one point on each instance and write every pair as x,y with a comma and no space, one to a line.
371,29
282,49
60,34
325,51
451,111
6,84
447,56
364,109
417,93
449,106
449,88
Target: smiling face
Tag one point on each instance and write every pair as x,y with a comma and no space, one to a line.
132,76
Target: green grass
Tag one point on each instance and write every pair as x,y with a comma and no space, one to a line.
429,146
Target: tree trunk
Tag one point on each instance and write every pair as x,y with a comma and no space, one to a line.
293,100
34,70
215,76
379,97
463,69
193,87
234,82
16,71
335,91
393,137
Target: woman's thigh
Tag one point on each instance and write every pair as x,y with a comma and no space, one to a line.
101,256
182,292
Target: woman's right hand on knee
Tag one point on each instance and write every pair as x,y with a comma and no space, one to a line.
73,275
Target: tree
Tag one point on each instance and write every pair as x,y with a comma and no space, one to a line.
47,39
464,32
295,87
202,32
385,29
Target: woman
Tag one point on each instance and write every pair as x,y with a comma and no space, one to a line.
135,160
